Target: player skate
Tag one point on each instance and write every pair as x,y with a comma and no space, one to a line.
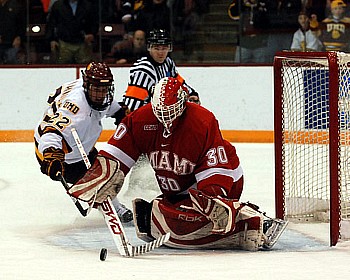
125,215
273,229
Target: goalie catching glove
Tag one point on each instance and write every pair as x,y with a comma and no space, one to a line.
103,179
221,211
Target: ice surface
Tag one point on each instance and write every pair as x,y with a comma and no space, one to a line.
42,236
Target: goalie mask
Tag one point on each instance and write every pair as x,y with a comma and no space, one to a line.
98,85
168,101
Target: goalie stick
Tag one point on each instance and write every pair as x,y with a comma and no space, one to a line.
120,239
113,222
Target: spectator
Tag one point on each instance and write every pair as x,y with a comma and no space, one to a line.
187,18
279,18
253,38
316,8
129,50
304,38
12,32
334,30
108,11
71,29
130,10
154,15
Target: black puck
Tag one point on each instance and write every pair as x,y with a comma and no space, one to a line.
103,254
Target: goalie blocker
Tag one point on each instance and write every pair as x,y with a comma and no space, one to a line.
104,179
248,228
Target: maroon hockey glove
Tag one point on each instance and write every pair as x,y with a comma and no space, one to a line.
121,113
52,164
221,211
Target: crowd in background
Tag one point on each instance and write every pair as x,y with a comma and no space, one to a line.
298,25
71,31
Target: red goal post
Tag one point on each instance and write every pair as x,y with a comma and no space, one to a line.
312,139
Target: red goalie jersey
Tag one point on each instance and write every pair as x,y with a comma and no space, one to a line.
192,155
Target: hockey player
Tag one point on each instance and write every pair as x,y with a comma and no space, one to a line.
198,173
81,104
148,70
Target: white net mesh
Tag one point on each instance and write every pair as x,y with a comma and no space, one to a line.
305,130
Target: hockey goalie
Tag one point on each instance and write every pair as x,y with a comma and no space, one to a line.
198,173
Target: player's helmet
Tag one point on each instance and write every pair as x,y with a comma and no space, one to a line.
159,37
168,101
98,85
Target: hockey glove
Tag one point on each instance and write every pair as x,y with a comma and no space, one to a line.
121,113
103,179
221,211
52,164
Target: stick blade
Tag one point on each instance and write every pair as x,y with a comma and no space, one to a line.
150,246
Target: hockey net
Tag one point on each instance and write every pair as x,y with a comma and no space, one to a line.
312,139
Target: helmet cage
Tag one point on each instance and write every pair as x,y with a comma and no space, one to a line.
98,85
168,101
100,96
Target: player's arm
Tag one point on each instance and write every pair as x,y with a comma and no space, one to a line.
51,151
52,145
118,110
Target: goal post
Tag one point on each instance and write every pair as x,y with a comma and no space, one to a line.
312,139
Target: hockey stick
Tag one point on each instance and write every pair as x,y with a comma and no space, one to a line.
83,212
113,221
120,239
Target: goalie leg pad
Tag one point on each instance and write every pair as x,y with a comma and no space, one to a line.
103,179
191,230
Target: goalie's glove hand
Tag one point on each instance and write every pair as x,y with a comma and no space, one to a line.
121,113
103,179
52,164
221,211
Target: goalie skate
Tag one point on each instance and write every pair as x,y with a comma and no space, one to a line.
273,228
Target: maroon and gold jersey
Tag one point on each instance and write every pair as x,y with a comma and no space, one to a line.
335,35
194,155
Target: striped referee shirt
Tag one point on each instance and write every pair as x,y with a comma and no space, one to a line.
144,74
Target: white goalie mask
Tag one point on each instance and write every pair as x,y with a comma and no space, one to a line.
168,101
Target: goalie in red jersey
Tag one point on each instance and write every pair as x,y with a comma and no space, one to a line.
198,173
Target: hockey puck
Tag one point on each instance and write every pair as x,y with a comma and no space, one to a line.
103,254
